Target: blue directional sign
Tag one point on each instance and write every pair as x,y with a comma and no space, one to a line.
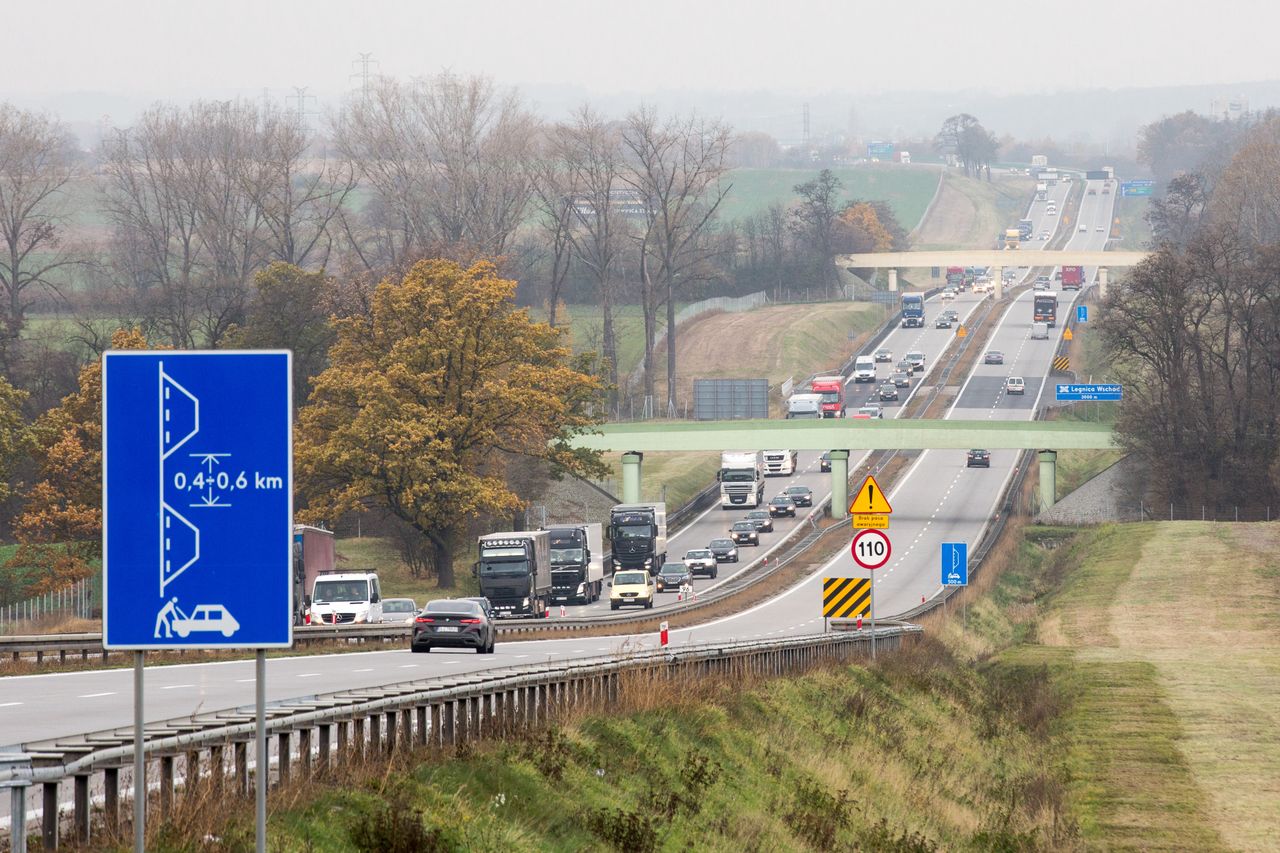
880,150
1096,392
1082,313
197,458
1136,188
955,564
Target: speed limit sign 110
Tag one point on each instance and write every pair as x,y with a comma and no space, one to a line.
871,549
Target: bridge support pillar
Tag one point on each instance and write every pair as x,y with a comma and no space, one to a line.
998,280
1102,282
839,483
1048,478
631,477
893,279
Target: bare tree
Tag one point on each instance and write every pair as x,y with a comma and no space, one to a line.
553,199
36,162
450,158
589,151
677,167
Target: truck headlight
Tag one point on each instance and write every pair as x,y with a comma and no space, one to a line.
524,603
582,588
648,562
617,564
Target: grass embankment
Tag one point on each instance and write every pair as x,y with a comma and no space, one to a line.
1131,224
1089,364
906,189
970,213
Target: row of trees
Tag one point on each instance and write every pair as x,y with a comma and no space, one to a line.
1195,330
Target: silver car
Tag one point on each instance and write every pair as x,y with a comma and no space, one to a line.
398,610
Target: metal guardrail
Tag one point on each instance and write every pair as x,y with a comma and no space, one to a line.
437,712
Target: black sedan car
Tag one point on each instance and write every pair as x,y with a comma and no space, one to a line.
456,622
993,356
744,533
782,505
802,495
761,519
901,379
725,550
883,355
978,459
889,391
824,464
943,322
671,576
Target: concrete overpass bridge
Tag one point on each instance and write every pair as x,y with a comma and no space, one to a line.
840,436
997,258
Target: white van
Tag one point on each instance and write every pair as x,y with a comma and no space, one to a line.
864,369
346,598
1015,385
1039,331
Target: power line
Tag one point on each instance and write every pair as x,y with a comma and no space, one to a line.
364,61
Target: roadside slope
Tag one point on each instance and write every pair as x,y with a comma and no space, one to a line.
969,213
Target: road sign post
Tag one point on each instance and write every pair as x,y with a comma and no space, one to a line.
871,550
1082,313
955,572
197,514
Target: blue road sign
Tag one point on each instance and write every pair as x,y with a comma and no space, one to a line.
1105,392
1136,188
1082,313
955,564
880,149
197,458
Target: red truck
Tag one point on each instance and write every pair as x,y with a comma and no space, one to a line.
832,390
1072,278
313,553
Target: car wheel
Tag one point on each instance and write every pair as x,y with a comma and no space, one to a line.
613,605
714,572
649,604
420,649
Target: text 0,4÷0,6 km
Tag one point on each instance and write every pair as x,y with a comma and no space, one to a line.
222,481
871,549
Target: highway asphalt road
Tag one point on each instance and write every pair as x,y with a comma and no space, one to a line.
940,500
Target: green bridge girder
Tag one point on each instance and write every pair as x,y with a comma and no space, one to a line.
842,435
849,434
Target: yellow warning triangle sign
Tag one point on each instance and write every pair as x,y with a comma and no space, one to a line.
1066,334
870,498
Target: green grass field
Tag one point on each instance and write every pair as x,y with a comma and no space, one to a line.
1135,231
907,189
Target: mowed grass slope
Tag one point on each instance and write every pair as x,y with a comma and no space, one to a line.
971,212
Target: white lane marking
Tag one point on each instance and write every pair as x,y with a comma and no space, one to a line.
176,686
408,665
301,675
248,680
370,669
522,656
9,704
96,695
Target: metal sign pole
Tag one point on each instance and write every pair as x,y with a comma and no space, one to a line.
260,736
873,616
139,761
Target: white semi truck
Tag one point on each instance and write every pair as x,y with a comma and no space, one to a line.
804,406
779,462
741,478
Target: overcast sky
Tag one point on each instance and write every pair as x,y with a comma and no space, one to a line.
162,48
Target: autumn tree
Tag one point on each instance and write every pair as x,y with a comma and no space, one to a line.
60,528
429,397
12,432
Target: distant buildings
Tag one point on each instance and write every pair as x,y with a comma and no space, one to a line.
1230,109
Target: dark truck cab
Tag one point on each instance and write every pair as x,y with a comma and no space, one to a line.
638,536
514,571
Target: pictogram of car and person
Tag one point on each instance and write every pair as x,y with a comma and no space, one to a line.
203,618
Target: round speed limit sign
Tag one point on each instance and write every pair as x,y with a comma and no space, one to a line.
871,549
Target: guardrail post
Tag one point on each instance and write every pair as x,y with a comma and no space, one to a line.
241,749
166,784
17,815
449,727
473,717
304,751
111,798
406,727
282,757
49,819
437,725
81,801
500,712
422,724
391,732
344,737
325,734
375,733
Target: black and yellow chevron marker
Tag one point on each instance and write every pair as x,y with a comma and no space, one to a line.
846,598
1061,363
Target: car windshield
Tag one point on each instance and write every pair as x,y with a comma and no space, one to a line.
563,556
623,578
757,513
744,525
673,569
915,356
738,476
633,531
397,605
797,490
781,499
697,555
721,543
830,397
326,591
504,568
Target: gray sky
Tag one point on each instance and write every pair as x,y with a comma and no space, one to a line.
160,48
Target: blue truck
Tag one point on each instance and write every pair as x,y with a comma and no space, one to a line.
912,310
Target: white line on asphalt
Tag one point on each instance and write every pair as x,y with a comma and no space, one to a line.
96,695
300,675
248,680
9,704
176,686
408,665
370,669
